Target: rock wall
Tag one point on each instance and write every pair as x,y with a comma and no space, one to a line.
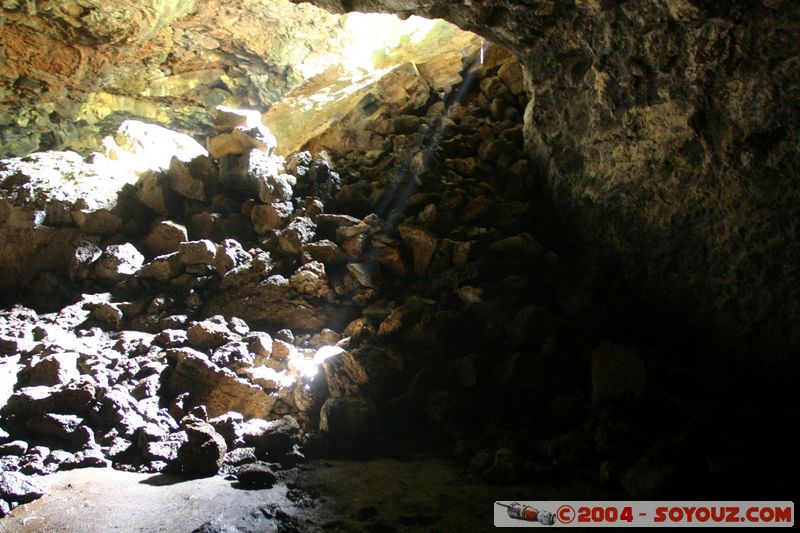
667,133
71,71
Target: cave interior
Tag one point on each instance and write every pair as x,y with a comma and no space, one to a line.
349,265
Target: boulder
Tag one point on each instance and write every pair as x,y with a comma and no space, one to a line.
200,252
118,262
203,453
275,437
117,409
233,355
230,255
56,369
82,259
217,388
348,422
75,397
256,475
164,238
162,268
209,334
311,279
422,245
255,174
15,447
52,425
300,231
260,344
196,180
108,314
324,251
153,191
267,217
17,487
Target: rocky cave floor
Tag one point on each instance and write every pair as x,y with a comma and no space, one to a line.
387,340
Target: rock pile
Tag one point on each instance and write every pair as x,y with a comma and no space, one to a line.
407,298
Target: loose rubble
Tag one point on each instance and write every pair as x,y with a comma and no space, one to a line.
263,309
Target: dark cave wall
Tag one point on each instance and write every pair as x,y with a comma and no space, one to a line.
667,135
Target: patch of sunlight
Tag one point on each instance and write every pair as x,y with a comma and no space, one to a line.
376,35
305,367
368,39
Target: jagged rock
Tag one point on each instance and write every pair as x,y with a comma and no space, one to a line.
282,350
326,337
52,425
275,437
422,244
196,179
311,279
118,262
324,251
200,252
86,459
230,255
217,388
618,372
348,422
16,487
345,374
108,314
56,369
255,174
82,259
329,223
209,334
15,447
171,338
164,238
164,450
43,197
300,231
267,217
238,326
240,456
255,271
75,397
260,344
394,322
117,409
204,451
153,191
363,274
147,387
314,177
256,474
162,268
233,355
226,426
218,227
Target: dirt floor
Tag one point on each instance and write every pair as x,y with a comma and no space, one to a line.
420,494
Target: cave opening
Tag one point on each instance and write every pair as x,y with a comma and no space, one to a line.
369,269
